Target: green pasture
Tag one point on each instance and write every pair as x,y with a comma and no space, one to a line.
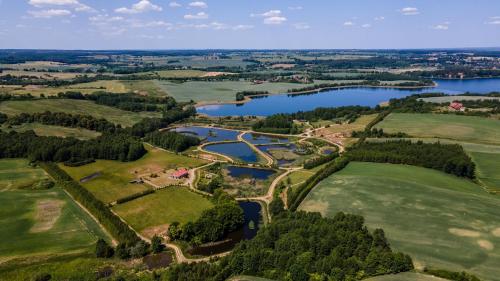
448,126
113,182
17,173
117,116
56,131
406,276
441,220
144,87
223,91
154,212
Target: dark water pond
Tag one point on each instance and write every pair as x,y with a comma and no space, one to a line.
264,139
285,103
209,134
238,150
281,162
258,174
253,216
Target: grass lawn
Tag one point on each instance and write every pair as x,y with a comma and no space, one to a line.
448,126
442,221
148,87
153,213
117,116
454,98
113,182
221,91
358,125
114,86
16,173
57,131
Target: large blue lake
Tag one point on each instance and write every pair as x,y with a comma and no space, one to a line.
285,103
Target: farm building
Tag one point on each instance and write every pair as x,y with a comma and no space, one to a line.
457,106
181,173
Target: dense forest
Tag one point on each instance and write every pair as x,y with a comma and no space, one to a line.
120,147
213,225
449,158
171,140
299,246
278,123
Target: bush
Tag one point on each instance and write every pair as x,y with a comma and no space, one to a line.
103,250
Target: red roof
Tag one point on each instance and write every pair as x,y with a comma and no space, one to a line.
456,105
180,173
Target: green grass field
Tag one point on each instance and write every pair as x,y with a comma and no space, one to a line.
406,276
221,91
153,213
117,116
440,220
148,87
16,173
40,222
114,86
57,131
113,183
448,126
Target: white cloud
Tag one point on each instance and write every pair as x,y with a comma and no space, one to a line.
139,7
174,5
494,20
301,26
198,4
409,11
274,20
243,27
160,23
50,13
198,16
366,25
440,27
295,8
270,13
348,23
381,18
79,7
104,19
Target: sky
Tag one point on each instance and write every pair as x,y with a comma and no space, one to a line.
248,24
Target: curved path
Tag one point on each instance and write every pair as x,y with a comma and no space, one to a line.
268,158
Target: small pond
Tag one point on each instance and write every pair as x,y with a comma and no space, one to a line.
209,134
237,150
253,218
258,174
281,162
254,138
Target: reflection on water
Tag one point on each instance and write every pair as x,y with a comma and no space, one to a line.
209,134
239,150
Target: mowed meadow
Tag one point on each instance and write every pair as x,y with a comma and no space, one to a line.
42,222
441,220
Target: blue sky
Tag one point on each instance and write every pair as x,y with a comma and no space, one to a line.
248,24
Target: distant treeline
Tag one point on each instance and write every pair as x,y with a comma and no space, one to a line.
116,227
120,147
213,224
125,101
377,133
171,140
449,158
458,72
298,245
278,123
241,95
320,160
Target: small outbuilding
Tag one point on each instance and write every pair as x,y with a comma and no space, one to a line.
181,173
457,106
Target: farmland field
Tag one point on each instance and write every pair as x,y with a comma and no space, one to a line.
151,214
148,87
112,183
57,131
114,86
16,173
117,116
358,125
40,222
448,126
222,91
440,220
406,276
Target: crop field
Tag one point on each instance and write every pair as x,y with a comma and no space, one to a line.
221,91
406,276
448,126
358,125
153,213
57,131
112,178
144,87
40,222
17,173
440,220
117,116
86,88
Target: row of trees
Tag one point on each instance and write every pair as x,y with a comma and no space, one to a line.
318,161
241,95
171,140
377,133
449,158
300,245
126,101
213,225
63,119
120,147
278,123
